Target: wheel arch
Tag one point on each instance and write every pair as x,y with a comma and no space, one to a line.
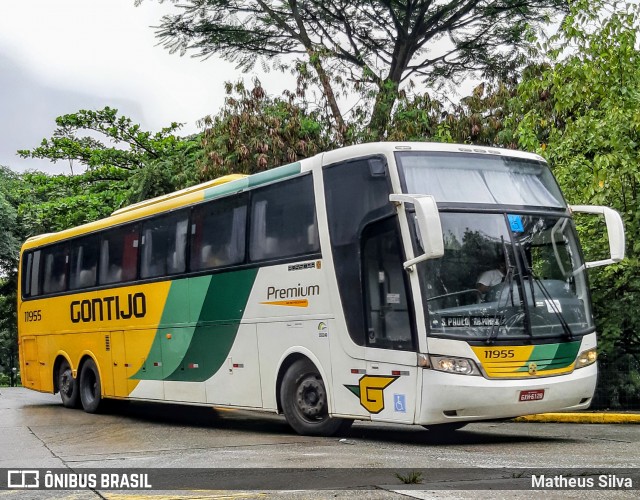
290,357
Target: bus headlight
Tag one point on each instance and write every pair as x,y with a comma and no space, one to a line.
586,358
448,364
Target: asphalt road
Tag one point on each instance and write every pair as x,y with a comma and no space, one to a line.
37,432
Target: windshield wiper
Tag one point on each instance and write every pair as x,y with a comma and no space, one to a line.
551,304
507,281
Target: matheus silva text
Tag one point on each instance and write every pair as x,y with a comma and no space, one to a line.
605,481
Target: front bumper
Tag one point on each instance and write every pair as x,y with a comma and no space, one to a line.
455,398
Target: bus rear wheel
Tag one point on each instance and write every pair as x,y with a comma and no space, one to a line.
67,385
90,388
305,404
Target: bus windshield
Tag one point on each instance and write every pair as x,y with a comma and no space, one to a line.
507,276
503,275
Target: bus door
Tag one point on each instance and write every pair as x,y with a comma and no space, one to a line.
31,376
391,341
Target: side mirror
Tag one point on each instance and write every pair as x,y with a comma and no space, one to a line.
615,232
428,225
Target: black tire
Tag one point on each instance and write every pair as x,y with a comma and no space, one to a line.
445,428
67,385
90,388
304,402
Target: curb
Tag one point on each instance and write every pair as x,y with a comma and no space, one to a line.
583,418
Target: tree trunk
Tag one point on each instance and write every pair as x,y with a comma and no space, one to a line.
381,114
329,95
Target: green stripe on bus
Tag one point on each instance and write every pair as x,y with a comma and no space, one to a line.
195,353
218,323
169,352
552,356
254,180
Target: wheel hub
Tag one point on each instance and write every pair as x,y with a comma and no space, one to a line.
311,397
65,382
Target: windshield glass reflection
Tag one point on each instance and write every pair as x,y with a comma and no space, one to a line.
506,276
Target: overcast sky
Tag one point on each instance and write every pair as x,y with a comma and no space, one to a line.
60,56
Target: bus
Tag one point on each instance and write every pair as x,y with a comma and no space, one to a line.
341,287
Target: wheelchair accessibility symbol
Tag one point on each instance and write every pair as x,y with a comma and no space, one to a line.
400,403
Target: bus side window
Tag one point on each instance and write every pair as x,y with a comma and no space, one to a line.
283,220
119,255
56,259
84,260
31,275
164,245
218,233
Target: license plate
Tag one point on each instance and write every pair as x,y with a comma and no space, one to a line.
533,395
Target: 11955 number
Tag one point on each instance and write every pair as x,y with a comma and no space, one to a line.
31,316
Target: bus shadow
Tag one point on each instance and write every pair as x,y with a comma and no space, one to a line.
266,423
470,435
198,416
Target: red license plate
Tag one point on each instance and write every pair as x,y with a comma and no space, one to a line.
533,395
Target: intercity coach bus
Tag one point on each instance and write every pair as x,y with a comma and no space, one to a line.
344,286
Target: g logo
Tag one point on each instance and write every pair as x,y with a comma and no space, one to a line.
533,368
370,390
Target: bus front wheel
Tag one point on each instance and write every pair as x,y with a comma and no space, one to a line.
67,385
90,388
305,403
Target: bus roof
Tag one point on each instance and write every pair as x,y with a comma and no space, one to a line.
394,147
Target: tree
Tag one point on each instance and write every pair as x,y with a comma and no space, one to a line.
132,151
10,238
9,242
589,130
372,47
476,119
254,132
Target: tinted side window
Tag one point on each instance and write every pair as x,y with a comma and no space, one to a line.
164,243
55,272
283,220
218,232
84,263
31,274
119,255
357,193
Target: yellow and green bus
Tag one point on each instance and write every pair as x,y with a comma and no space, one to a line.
342,287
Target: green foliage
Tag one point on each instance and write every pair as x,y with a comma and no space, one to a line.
55,202
9,229
131,148
411,477
254,132
416,119
11,234
138,164
590,131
